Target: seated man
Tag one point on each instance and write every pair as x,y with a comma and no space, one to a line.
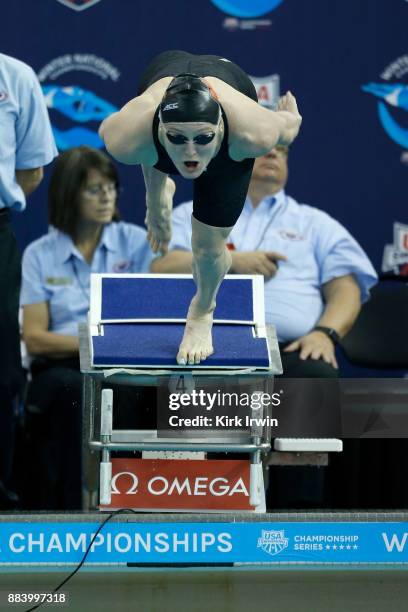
316,274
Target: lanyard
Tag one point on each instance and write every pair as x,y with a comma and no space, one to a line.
85,288
278,208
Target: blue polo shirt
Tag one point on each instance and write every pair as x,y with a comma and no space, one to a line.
26,140
54,271
318,249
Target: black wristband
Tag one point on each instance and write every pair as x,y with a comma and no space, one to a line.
330,332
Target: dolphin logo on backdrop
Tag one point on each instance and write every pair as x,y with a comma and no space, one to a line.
70,104
81,106
391,95
246,8
391,92
79,5
77,103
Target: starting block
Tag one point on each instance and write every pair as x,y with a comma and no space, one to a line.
137,321
134,328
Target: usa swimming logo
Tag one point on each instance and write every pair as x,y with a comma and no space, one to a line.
79,5
392,100
273,542
71,105
247,8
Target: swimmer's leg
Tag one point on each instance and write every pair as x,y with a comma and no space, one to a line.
211,261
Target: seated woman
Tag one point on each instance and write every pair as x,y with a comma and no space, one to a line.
198,116
86,236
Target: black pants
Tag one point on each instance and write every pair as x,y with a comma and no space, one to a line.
370,474
11,375
311,406
54,423
298,487
294,367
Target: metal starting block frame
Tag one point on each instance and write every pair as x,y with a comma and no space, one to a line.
121,307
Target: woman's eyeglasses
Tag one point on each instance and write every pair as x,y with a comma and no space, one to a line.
97,190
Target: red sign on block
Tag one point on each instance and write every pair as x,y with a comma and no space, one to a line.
180,484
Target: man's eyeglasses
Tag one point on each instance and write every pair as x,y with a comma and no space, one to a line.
282,150
97,190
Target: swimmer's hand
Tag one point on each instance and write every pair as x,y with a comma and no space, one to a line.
287,107
158,219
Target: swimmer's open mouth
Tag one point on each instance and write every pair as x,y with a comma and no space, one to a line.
191,164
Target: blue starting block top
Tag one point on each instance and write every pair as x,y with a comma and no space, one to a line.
151,344
137,320
167,298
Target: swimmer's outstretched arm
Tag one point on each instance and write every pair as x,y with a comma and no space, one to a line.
159,203
127,134
128,137
255,130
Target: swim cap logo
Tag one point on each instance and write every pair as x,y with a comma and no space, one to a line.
79,5
393,99
171,106
246,8
70,103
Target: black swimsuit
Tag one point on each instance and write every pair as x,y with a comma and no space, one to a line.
220,192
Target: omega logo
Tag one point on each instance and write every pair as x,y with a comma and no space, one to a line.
133,488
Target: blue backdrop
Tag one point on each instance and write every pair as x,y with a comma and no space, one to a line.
345,60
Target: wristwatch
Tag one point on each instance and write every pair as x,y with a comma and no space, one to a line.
330,332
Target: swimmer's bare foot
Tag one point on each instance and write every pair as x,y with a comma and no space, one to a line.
197,339
287,104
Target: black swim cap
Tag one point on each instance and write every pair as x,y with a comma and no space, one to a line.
188,98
